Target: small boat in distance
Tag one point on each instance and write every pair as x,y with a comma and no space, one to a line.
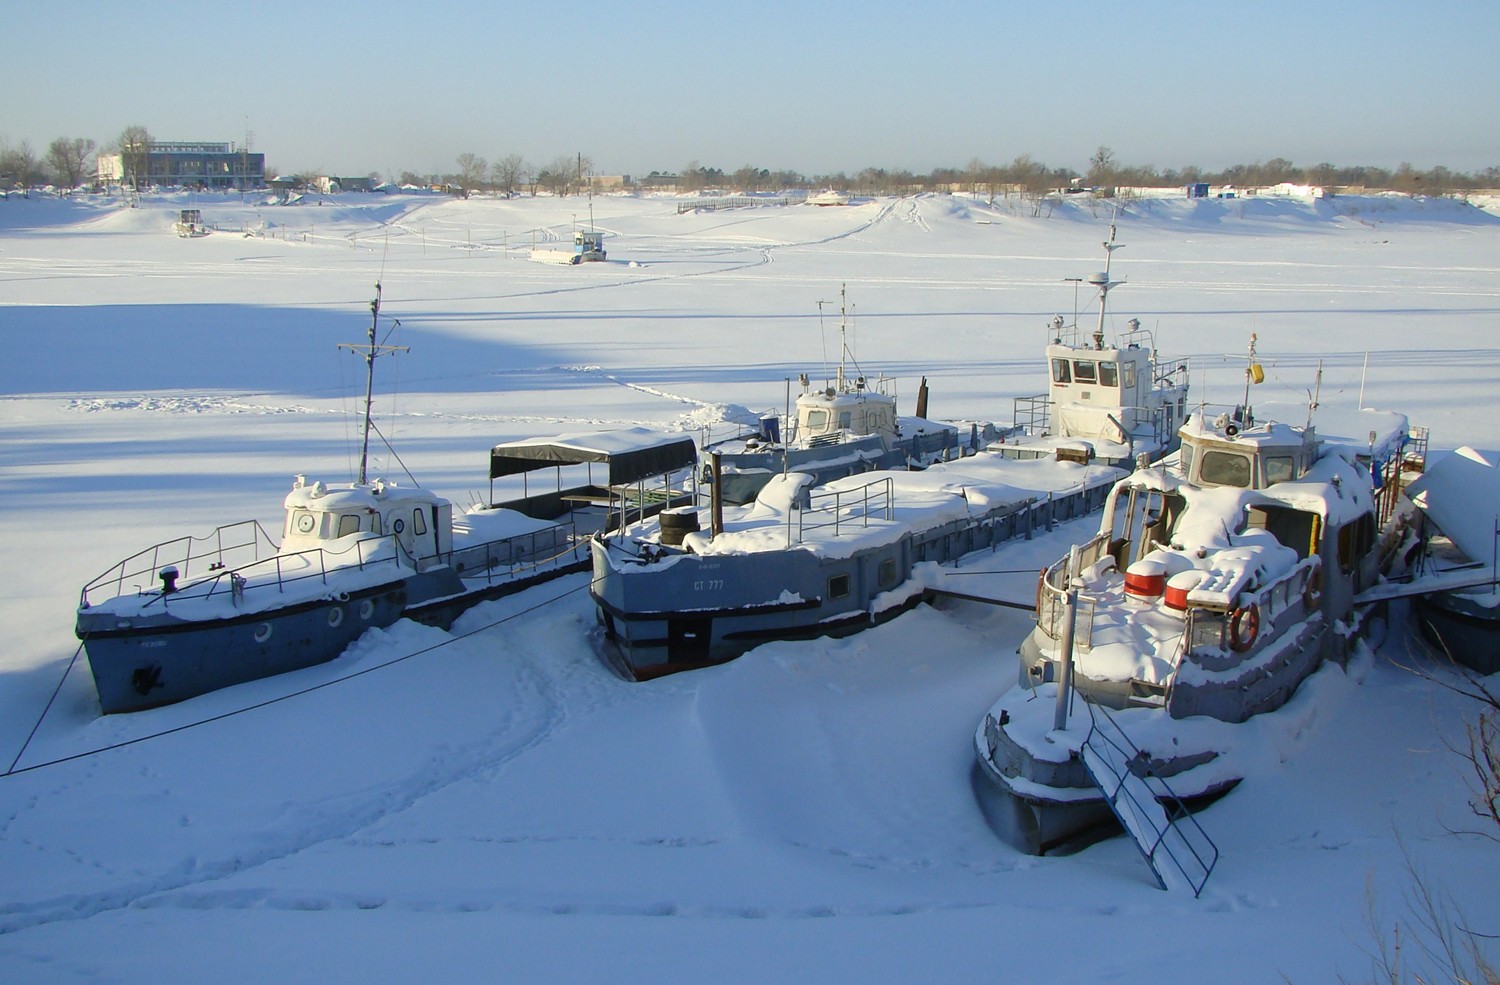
828,196
189,224
587,247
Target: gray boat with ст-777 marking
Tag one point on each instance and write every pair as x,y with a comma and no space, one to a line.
804,560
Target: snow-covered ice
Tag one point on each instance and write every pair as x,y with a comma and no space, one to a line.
491,803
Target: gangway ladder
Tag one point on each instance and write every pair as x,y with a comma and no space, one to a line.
1175,846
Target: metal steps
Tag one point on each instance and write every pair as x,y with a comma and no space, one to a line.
1179,851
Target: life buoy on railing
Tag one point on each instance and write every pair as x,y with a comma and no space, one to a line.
1312,592
1244,627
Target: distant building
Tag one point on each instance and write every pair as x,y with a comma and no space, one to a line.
191,164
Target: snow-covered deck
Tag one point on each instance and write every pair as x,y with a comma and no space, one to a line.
860,511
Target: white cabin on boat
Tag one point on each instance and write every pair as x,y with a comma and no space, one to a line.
317,516
1224,453
1109,394
823,414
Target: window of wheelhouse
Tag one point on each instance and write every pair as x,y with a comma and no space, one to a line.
1279,468
1060,371
1225,468
418,521
1109,374
348,524
838,587
817,420
1185,456
1084,371
1130,376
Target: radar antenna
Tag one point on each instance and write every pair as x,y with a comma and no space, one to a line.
371,351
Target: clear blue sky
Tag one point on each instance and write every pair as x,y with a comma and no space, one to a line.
809,87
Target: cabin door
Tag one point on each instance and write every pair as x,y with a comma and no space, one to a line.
688,640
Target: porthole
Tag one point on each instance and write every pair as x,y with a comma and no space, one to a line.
335,615
262,632
306,522
398,524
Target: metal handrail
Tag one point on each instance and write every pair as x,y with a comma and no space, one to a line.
247,534
1204,853
1214,632
880,504
258,575
272,572
566,539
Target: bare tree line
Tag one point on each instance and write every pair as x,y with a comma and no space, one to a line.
68,162
569,174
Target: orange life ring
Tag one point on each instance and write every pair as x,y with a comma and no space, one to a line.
1312,592
1244,627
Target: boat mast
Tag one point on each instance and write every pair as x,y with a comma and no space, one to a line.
371,351
1104,283
590,190
843,333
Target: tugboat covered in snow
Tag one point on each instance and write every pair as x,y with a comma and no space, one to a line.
1218,582
1110,402
848,425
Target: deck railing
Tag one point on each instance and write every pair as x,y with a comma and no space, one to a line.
1174,844
506,558
231,546
845,508
240,559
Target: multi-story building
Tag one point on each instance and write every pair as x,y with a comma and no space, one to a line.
191,164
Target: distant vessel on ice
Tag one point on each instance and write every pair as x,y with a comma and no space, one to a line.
587,247
828,196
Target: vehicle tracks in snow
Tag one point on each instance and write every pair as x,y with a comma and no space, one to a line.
308,819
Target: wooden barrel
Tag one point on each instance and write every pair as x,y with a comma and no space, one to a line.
676,524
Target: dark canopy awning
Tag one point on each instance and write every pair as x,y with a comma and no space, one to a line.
632,454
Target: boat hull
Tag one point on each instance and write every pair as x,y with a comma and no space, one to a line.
1465,630
1039,827
728,605
1012,790
666,614
160,659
